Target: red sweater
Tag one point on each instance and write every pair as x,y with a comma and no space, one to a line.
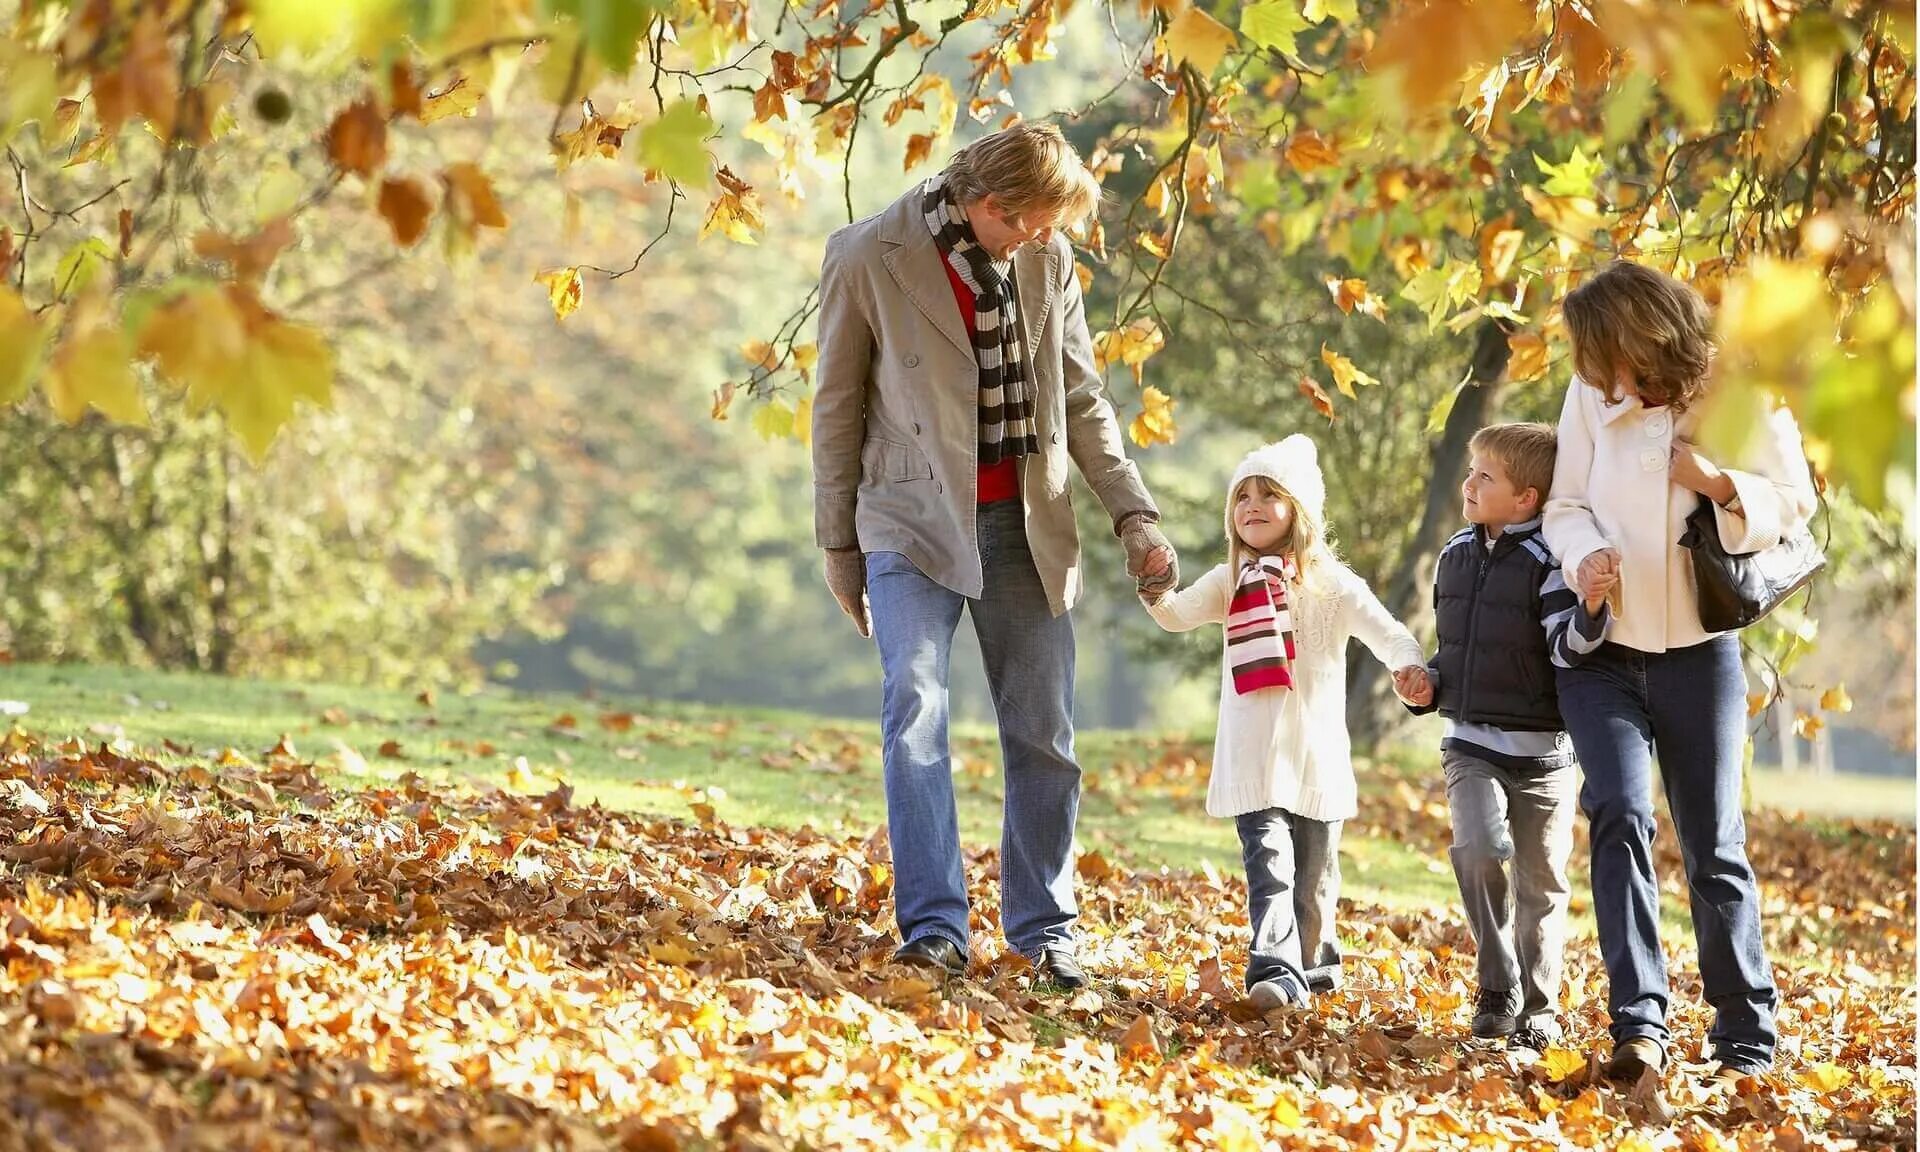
997,481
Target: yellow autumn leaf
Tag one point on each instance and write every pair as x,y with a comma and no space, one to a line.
760,355
1825,1077
805,356
1807,725
1835,699
1575,217
1199,40
735,213
563,289
773,420
23,341
1528,356
94,367
674,145
1154,424
198,341
1308,151
461,97
803,420
1560,1063
1350,295
284,362
1345,374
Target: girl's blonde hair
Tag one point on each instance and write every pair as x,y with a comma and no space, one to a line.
1631,316
1307,536
1025,168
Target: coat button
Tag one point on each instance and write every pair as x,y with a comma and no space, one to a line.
916,428
1653,460
1056,437
912,361
1657,426
939,487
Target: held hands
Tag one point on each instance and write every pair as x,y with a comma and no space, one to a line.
847,580
1413,685
1150,558
1597,576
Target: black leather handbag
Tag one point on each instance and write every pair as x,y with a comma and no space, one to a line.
1738,589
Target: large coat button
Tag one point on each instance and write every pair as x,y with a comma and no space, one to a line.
912,361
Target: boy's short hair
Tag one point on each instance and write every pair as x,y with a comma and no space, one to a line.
1526,451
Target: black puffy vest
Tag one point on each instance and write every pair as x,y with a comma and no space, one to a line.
1493,662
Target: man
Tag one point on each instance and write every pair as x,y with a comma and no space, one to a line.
956,381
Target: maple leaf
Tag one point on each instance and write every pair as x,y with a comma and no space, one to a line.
1579,175
1308,151
1322,403
1345,375
1835,699
1351,294
735,213
470,199
1154,424
563,289
92,368
1272,24
1428,48
23,339
774,420
249,257
460,97
675,144
407,209
357,139
1199,40
1528,356
919,147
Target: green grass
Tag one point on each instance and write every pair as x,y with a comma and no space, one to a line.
1142,808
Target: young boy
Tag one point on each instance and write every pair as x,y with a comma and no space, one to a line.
1506,619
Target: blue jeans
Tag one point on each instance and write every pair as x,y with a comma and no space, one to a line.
1028,653
1688,705
1293,888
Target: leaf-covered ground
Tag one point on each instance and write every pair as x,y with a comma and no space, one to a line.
236,953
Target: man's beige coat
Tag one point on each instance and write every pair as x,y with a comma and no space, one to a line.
896,423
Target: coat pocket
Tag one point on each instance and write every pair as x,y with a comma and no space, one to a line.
886,461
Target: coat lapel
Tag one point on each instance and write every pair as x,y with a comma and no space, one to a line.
1033,269
913,260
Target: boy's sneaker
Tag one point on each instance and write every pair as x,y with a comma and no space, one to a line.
1495,1013
1270,994
1532,1038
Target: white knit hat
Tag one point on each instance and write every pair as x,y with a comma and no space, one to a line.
1294,464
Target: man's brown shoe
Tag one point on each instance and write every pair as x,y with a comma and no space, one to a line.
1632,1059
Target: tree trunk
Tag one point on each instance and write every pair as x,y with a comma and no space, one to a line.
1373,713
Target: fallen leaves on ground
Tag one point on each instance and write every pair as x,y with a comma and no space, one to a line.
213,955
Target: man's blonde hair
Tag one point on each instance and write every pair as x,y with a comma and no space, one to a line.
1525,451
1025,168
1635,317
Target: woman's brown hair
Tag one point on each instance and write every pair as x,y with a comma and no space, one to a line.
1631,316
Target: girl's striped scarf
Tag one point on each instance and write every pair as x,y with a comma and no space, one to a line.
1260,649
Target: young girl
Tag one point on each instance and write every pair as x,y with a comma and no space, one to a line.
1281,761
1627,476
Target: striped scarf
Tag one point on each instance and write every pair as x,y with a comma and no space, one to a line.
1006,400
1260,626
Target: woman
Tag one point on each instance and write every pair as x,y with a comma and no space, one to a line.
1627,477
